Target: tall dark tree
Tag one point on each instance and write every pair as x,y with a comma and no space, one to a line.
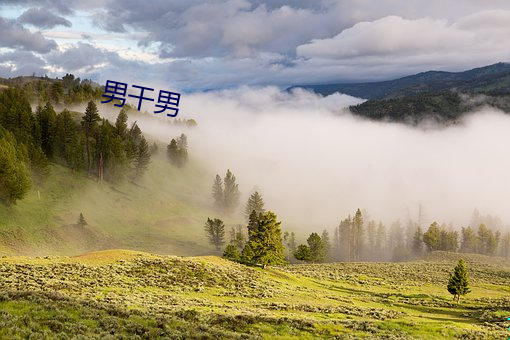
89,122
316,247
255,203
345,233
232,253
432,237
231,192
458,283
215,231
177,151
357,234
237,237
143,158
303,253
326,243
14,176
418,241
121,126
217,193
266,241
469,241
67,140
289,240
46,118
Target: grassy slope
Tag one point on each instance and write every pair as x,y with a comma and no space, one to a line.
138,294
164,213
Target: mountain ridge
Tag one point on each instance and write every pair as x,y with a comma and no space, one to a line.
485,79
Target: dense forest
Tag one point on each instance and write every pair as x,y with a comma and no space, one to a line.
84,142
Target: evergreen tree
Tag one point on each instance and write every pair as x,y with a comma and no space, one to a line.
303,253
253,224
266,241
215,230
217,193
81,221
67,139
46,119
432,237
231,192
14,175
247,254
89,122
177,151
143,158
255,203
345,231
232,253
381,246
326,243
237,237
121,126
458,283
418,241
316,247
469,241
357,235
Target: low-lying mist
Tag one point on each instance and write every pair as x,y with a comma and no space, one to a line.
315,163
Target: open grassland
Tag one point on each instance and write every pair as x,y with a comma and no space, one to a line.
136,295
164,213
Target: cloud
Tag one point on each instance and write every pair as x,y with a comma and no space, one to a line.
15,36
80,56
42,18
478,39
21,62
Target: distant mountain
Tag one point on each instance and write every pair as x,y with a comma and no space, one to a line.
493,79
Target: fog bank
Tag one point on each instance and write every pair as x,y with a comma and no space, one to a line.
315,163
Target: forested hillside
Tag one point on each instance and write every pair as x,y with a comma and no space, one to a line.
443,97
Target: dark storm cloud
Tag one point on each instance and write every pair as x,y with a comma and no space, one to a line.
42,18
16,36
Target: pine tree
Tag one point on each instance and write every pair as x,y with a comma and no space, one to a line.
255,203
316,247
247,254
470,243
215,230
458,284
303,253
232,253
237,237
231,192
177,151
345,233
81,221
266,241
217,193
326,243
143,158
89,122
357,233
121,127
14,175
432,237
418,241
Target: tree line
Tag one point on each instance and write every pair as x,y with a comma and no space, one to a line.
357,240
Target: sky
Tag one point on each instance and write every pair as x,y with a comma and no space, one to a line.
196,45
